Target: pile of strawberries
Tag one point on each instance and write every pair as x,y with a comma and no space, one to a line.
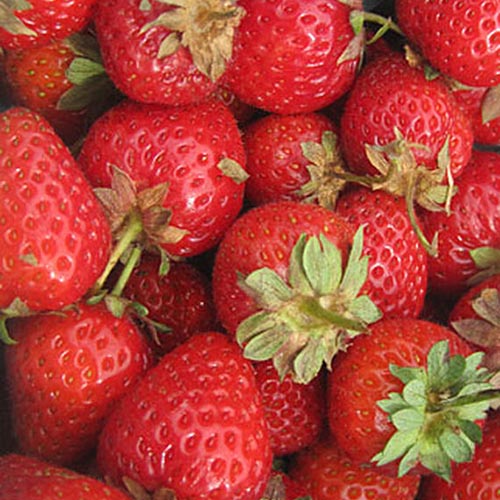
250,249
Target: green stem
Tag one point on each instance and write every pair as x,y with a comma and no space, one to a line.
386,23
127,271
4,332
488,395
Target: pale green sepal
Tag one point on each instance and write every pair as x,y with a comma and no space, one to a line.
436,362
409,460
269,287
438,462
408,373
397,446
456,445
409,419
393,403
265,345
471,430
415,393
363,308
253,325
308,361
296,274
318,266
356,270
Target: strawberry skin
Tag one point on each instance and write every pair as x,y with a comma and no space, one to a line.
286,55
86,359
56,238
459,38
194,424
23,477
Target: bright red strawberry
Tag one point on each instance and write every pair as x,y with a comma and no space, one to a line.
181,300
292,157
389,94
327,473
194,424
460,39
166,52
194,152
479,478
23,477
60,80
474,222
395,397
38,22
397,266
293,57
55,236
279,284
65,374
294,412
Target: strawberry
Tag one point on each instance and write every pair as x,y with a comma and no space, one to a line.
459,39
291,57
194,425
191,157
397,266
476,479
38,22
172,53
280,287
327,472
181,299
56,239
48,80
292,157
416,400
294,412
473,223
24,477
282,487
65,373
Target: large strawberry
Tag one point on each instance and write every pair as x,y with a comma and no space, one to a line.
55,236
194,424
65,373
328,473
459,38
159,51
410,393
280,285
23,477
38,22
190,159
291,57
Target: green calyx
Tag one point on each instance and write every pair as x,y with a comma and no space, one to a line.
304,321
10,22
487,260
435,414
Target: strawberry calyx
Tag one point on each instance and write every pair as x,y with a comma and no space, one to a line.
10,22
17,308
326,170
308,319
436,413
205,27
138,492
490,106
487,260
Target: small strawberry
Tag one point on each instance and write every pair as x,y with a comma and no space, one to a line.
458,38
294,412
327,473
417,398
397,265
38,22
23,477
66,372
293,57
181,299
193,425
55,237
478,478
280,286
292,157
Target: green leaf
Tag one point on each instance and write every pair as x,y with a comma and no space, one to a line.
408,419
314,266
308,362
296,274
356,270
393,403
437,461
408,373
409,460
272,291
455,446
265,345
437,360
333,258
253,325
362,307
471,430
399,443
415,393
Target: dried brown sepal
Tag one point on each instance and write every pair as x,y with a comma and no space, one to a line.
490,107
138,492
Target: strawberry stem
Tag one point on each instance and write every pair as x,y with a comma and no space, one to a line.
127,271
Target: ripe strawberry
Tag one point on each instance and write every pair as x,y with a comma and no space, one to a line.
194,154
293,57
38,22
397,266
327,472
292,157
65,374
389,94
279,285
410,399
181,299
166,52
194,425
55,237
294,412
476,479
473,222
24,477
458,38
60,80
